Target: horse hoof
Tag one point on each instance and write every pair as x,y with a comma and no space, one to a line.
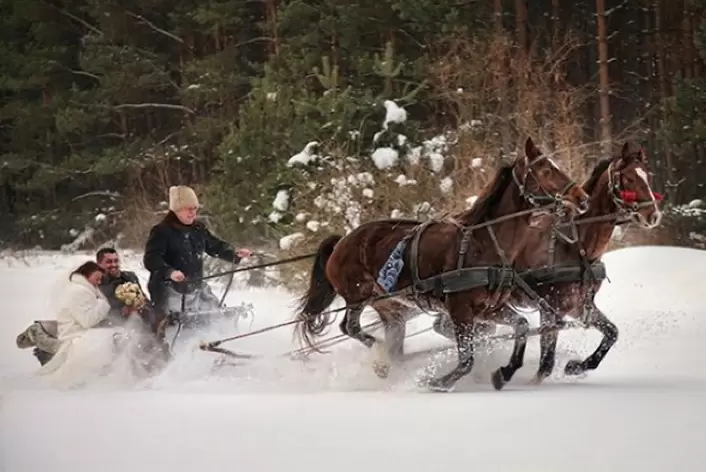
437,385
381,369
536,380
498,380
574,367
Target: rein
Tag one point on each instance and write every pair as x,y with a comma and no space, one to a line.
534,200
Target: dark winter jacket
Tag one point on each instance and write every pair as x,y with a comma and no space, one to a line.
173,246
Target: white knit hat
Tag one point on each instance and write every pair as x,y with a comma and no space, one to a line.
181,197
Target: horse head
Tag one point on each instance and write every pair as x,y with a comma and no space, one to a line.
629,186
540,181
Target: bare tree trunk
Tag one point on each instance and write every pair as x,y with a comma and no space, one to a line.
521,21
504,108
606,140
689,52
556,22
670,185
271,14
648,89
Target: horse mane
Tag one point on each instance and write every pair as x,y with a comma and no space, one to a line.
490,196
598,170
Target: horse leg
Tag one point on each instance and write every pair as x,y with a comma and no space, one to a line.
350,325
462,313
392,315
392,350
443,325
610,337
464,347
547,345
521,327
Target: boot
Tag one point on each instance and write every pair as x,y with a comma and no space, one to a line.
42,356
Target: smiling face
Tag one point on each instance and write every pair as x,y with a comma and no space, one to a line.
110,263
632,187
543,177
187,215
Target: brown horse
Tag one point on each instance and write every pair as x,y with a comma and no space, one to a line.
463,262
568,274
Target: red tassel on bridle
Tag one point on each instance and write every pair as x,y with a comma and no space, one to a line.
630,196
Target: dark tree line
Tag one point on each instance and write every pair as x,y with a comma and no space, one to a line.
104,103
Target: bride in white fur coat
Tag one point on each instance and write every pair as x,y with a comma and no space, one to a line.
85,351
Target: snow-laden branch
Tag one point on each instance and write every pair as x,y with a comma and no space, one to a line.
75,18
155,27
97,193
617,7
154,105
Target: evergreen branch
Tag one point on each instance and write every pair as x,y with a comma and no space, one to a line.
154,105
169,136
155,27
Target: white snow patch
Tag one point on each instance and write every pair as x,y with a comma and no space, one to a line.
304,157
446,185
368,193
433,149
470,201
290,241
476,162
361,179
281,201
385,157
420,208
82,238
401,179
394,113
436,161
274,216
313,225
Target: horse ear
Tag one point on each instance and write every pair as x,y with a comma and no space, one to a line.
531,151
642,155
620,157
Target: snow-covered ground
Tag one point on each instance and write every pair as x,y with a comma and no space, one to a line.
643,409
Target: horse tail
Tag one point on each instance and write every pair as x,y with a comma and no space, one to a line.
311,317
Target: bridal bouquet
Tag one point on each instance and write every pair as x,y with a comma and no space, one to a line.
130,294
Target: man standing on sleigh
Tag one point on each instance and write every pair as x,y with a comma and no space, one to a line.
174,255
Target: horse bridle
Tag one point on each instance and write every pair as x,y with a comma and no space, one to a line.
626,200
535,199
